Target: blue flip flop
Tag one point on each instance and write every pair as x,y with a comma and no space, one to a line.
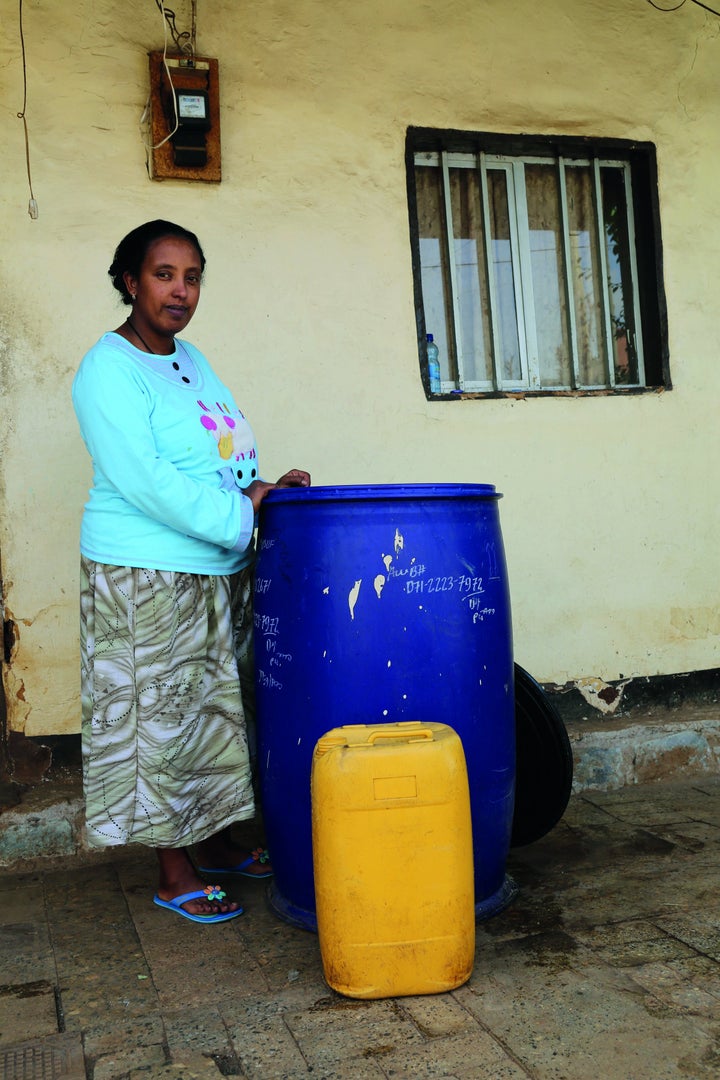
260,855
212,892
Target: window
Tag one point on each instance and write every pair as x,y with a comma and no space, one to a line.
536,264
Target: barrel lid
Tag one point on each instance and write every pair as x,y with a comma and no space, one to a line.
366,492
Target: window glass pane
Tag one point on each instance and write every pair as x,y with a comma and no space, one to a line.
617,243
530,272
586,274
434,270
471,275
507,345
547,267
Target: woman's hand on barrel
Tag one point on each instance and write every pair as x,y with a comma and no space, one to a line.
257,491
294,478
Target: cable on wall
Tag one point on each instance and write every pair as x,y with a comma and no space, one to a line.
32,205
659,7
185,43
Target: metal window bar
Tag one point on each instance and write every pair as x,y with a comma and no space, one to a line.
607,322
524,293
569,284
634,275
457,324
489,269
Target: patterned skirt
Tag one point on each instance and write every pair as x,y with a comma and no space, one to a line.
164,740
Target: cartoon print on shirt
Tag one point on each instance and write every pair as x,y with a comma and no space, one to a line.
235,443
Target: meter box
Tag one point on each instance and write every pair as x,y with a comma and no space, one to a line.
184,118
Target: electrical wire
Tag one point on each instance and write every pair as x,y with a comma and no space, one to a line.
682,4
32,205
166,23
185,41
711,10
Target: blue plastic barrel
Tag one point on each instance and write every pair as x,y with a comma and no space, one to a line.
381,604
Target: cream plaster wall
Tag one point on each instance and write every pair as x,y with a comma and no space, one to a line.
610,513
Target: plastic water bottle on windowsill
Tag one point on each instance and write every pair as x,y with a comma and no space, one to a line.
433,358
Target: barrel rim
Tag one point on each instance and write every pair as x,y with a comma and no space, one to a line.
369,492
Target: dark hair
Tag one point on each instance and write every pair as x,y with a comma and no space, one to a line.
132,249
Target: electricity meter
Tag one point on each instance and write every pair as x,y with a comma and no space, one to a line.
193,114
193,109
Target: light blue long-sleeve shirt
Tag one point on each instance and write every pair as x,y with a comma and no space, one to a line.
171,452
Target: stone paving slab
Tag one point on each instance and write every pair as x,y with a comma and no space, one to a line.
689,984
700,929
203,1028
263,1043
27,1011
25,947
130,1059
59,1057
104,1036
581,1024
606,965
337,1030
189,1067
468,1057
18,898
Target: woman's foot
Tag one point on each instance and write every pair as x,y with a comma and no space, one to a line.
219,853
178,877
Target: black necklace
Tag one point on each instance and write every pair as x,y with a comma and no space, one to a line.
139,335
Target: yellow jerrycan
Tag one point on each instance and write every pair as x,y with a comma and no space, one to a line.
393,859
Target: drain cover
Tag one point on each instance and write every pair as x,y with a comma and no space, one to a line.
57,1057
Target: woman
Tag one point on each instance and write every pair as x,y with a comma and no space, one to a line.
167,548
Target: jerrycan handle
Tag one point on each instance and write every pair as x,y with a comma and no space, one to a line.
407,729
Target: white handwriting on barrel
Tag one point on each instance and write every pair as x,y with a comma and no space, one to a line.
269,681
481,613
278,659
266,624
416,570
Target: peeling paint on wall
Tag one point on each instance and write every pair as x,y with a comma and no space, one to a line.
13,687
605,697
10,638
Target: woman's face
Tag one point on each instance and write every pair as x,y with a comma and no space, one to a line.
168,288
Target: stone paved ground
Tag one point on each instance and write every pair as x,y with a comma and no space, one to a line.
607,965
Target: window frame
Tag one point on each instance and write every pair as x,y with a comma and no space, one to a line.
510,153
